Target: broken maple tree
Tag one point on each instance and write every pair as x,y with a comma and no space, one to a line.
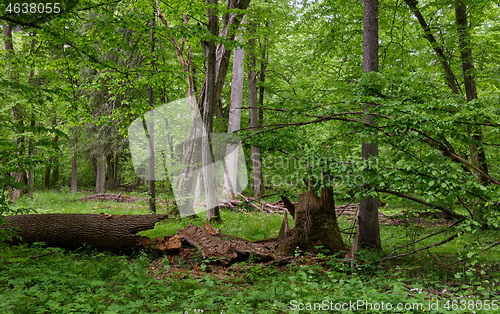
315,228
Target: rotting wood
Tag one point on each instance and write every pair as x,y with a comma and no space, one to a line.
103,232
111,197
226,249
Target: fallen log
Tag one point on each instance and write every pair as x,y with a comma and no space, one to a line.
103,232
224,248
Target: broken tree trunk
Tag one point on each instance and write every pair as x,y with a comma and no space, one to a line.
315,228
103,232
227,249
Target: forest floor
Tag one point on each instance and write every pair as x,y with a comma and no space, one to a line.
454,277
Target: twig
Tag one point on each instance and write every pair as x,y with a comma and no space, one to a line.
38,256
345,207
482,251
250,202
441,208
418,250
421,239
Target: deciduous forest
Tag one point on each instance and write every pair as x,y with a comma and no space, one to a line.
249,156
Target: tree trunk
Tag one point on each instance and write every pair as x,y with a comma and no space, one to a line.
478,156
185,185
316,227
258,185
46,177
209,104
368,224
103,232
151,168
451,80
231,159
74,163
55,171
19,175
151,129
100,177
110,171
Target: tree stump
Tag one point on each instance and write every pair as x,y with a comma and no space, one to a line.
315,228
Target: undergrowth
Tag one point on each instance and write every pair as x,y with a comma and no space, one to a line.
34,279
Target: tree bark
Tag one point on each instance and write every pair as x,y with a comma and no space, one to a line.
209,103
19,175
151,168
100,177
451,80
231,160
258,184
478,156
151,128
103,232
192,146
74,162
315,228
368,224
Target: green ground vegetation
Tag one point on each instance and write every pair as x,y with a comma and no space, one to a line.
36,279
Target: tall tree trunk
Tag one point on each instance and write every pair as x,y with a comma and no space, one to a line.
478,156
368,224
209,104
450,76
231,159
31,150
258,184
19,175
100,178
31,81
151,128
55,172
185,185
151,168
74,162
46,178
110,170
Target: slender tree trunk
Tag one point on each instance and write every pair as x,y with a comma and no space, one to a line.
478,156
31,81
151,168
258,185
74,163
19,175
209,104
31,151
450,76
231,159
46,178
151,128
110,170
185,185
368,224
100,180
55,170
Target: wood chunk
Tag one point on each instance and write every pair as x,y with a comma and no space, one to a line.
227,249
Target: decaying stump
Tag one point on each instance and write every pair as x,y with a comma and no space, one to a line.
227,249
315,226
103,232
